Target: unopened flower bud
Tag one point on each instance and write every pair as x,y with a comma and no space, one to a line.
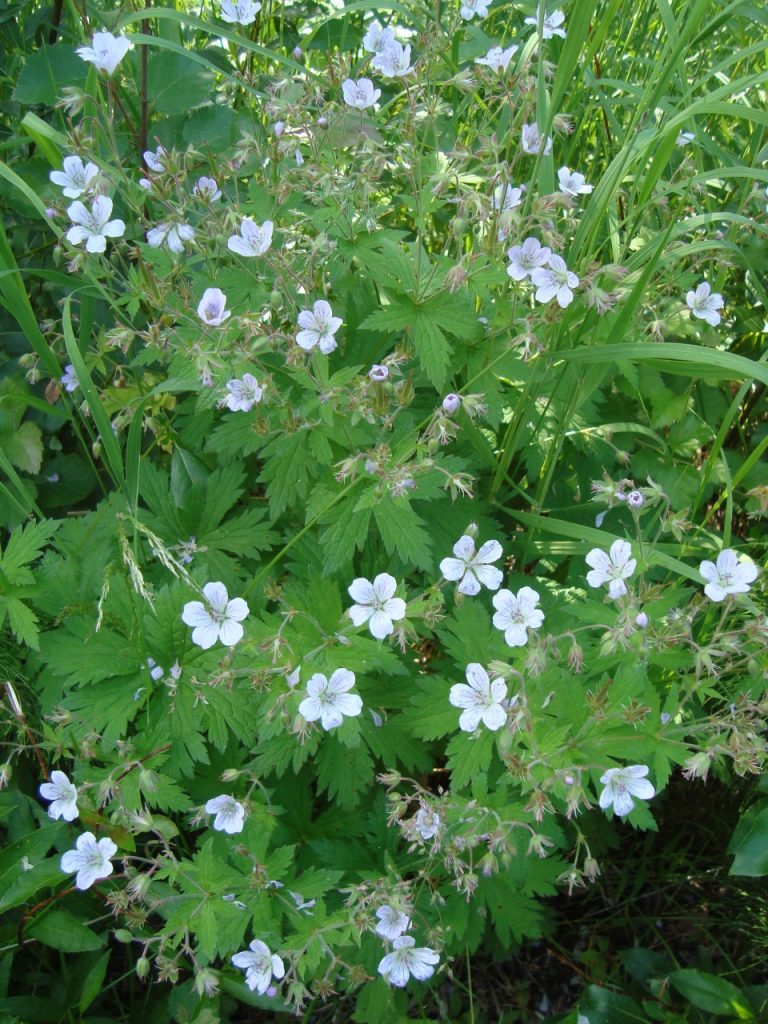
641,620
378,374
298,53
50,213
279,128
142,967
635,499
451,403
322,122
123,935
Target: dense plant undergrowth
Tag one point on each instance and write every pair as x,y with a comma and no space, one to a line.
383,495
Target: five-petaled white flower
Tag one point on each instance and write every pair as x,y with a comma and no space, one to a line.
377,39
63,795
555,281
507,197
481,700
552,25
391,922
516,614
90,859
393,61
621,784
216,619
93,226
683,138
427,823
69,378
531,141
252,240
470,8
572,183
154,161
230,814
376,604
318,327
260,966
244,393
473,568
408,959
239,12
207,189
613,568
704,303
106,52
212,307
498,59
525,258
727,575
76,177
329,699
174,236
360,94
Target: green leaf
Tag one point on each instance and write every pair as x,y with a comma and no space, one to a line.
432,348
346,534
402,531
24,546
24,447
46,72
708,992
93,981
23,622
343,772
749,843
61,930
469,755
176,84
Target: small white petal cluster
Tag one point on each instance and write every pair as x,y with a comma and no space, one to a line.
377,39
93,226
106,51
704,303
516,614
391,923
481,700
90,860
394,61
154,161
473,568
572,183
260,966
727,575
217,618
497,59
318,328
244,393
408,959
684,138
612,568
239,12
525,258
173,235
531,142
329,699
376,604
212,307
76,177
207,189
427,823
470,8
554,281
360,94
230,814
63,796
621,784
69,378
507,197
552,25
252,240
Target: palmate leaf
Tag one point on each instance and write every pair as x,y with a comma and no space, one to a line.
402,531
343,772
24,546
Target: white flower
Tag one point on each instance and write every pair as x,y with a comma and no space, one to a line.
252,240
473,568
328,699
319,326
481,700
498,59
376,604
393,61
572,183
63,795
727,576
239,12
552,24
93,226
526,258
216,619
154,161
516,614
507,197
377,39
145,183
260,966
211,309
613,568
621,784
106,52
230,814
378,374
69,378
360,94
555,281
76,177
408,959
704,303
470,8
90,859
391,923
243,394
174,235
207,189
683,138
531,143
155,671
427,823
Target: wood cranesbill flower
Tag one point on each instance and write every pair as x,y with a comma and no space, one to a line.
93,226
212,307
318,328
612,568
230,814
704,303
90,860
516,614
621,784
473,568
252,240
260,966
407,959
727,575
63,796
75,178
481,700
376,604
106,51
329,699
217,618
